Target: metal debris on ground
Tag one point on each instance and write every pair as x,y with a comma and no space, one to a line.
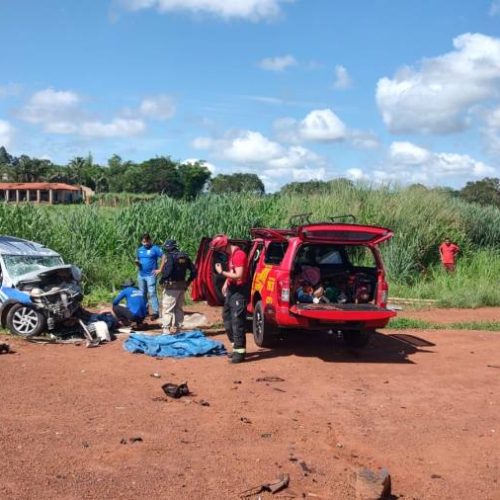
273,486
175,391
269,379
245,420
134,439
4,348
203,402
372,485
155,375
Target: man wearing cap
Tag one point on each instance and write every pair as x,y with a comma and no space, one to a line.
173,269
136,309
235,303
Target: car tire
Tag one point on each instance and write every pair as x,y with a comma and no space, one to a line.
264,334
25,321
356,338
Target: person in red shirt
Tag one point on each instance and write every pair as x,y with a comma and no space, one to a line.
448,252
235,302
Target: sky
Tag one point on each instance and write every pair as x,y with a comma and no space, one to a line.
382,91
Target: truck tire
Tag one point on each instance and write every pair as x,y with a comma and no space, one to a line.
264,334
25,321
356,338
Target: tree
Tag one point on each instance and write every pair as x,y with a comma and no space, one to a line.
485,192
193,177
237,183
316,187
31,169
160,175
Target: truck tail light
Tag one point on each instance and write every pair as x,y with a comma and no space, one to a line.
383,292
283,291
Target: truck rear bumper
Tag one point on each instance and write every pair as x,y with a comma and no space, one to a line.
340,316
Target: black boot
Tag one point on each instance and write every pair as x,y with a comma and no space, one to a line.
238,357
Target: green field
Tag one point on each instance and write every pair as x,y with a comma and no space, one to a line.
102,239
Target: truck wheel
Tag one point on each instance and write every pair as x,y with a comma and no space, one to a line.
264,334
356,338
25,321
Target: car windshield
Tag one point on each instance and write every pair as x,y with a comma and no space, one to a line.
17,265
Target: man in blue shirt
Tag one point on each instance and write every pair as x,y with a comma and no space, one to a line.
146,260
136,308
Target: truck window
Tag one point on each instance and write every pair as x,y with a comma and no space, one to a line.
275,252
320,254
361,256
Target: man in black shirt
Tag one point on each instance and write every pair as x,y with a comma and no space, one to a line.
173,270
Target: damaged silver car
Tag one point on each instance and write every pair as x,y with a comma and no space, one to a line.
37,290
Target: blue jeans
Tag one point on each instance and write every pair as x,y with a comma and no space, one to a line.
147,285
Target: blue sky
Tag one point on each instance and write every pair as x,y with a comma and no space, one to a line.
374,90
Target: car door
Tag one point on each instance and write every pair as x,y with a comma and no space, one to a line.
346,234
208,283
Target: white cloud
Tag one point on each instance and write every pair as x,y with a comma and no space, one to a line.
406,153
342,78
6,132
253,10
49,105
356,174
441,94
494,8
190,161
273,162
277,63
322,125
160,107
363,140
409,163
119,127
11,89
61,112
251,147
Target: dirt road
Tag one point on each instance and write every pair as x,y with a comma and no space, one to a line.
425,405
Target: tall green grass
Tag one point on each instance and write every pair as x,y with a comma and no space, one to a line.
102,239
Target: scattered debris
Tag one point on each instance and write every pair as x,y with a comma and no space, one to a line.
134,439
159,398
85,444
305,467
236,381
4,348
493,366
245,420
203,402
175,391
274,486
155,375
266,435
372,485
278,389
269,379
436,476
340,445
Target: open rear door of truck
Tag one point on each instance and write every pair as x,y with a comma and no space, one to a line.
344,234
208,284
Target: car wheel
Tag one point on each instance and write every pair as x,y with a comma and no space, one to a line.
356,338
25,321
264,334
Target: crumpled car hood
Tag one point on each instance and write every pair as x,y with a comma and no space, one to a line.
41,275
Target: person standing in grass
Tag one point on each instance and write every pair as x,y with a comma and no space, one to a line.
146,260
448,253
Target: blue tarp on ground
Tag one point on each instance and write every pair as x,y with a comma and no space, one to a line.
182,345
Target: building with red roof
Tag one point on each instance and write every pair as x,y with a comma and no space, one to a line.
40,192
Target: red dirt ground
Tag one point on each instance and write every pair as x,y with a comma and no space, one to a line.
425,405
